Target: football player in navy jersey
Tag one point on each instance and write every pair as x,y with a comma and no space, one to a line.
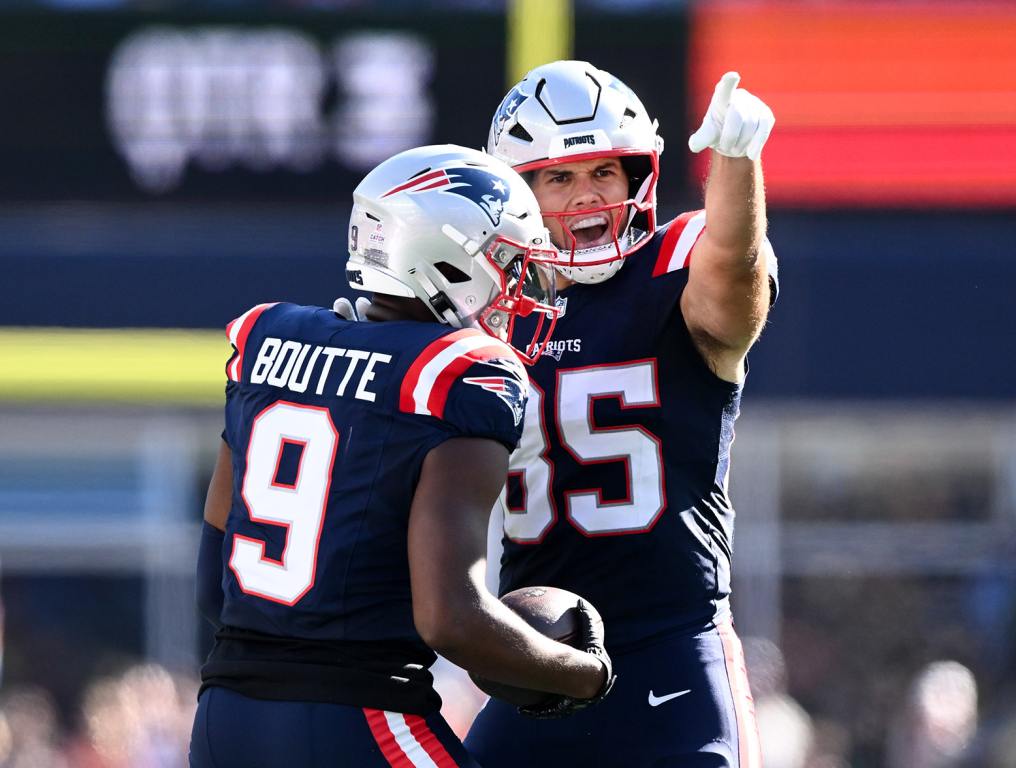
346,517
618,490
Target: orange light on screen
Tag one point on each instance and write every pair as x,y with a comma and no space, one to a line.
875,103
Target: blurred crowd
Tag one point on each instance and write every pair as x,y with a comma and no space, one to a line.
936,725
138,719
142,717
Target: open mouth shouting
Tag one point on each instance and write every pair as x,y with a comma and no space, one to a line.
591,230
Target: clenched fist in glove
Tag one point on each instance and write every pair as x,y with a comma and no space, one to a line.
736,124
590,631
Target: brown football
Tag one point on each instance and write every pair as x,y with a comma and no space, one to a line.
551,612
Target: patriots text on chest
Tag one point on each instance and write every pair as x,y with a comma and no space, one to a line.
298,367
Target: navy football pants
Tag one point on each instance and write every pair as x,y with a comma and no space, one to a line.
680,702
234,731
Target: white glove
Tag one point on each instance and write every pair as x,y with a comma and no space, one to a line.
344,309
736,124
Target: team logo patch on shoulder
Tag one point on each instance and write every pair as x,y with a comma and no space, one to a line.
485,190
507,388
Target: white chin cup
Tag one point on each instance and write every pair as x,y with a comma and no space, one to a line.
592,274
595,273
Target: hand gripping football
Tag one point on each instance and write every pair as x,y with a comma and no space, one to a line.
551,612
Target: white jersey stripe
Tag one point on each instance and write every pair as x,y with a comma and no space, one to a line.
685,241
431,371
407,742
234,368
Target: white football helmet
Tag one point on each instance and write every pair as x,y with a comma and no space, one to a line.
462,232
568,111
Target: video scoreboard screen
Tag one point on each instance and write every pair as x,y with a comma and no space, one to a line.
877,104
260,107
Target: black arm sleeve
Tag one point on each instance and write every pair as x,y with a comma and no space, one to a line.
209,576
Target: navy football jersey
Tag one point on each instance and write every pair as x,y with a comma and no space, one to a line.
618,491
329,422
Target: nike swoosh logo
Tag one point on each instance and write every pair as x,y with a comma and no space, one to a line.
655,701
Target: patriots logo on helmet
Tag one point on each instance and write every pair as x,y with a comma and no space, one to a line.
617,85
509,106
508,389
488,191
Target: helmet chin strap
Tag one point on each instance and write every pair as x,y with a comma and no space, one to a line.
438,302
592,274
644,189
639,197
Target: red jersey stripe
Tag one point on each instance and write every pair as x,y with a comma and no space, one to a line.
670,239
443,385
237,333
432,350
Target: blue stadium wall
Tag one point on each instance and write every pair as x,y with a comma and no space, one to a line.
873,305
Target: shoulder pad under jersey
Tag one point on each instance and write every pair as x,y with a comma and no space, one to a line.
678,242
471,381
237,332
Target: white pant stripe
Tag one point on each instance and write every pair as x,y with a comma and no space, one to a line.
413,750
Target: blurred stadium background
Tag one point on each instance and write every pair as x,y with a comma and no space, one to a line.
165,164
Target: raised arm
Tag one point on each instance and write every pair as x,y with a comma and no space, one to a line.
726,299
453,611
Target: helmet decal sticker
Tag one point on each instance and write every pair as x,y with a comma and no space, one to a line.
509,106
486,190
483,188
618,85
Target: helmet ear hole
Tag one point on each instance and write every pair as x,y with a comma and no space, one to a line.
451,273
520,133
